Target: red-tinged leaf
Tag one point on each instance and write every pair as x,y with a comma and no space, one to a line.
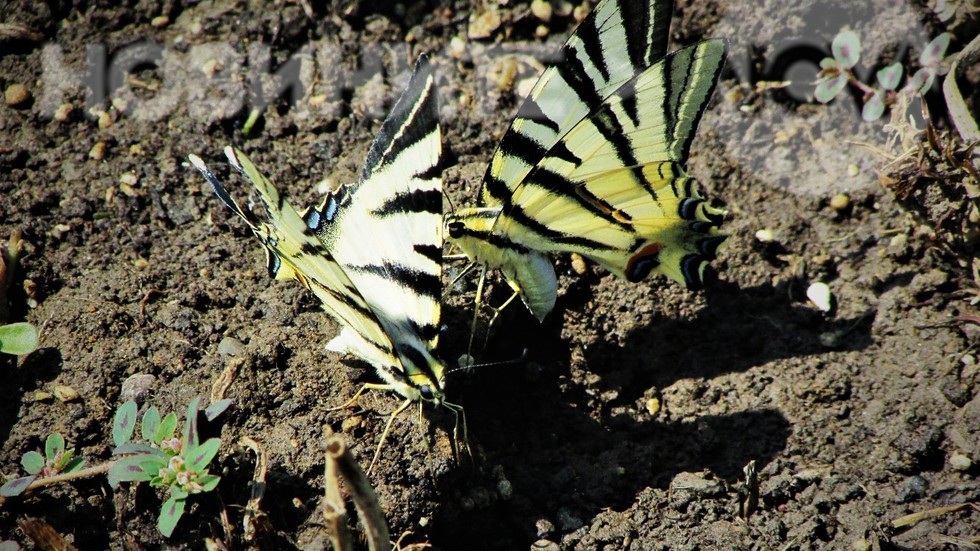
151,423
128,469
170,513
124,423
216,409
16,486
846,48
199,457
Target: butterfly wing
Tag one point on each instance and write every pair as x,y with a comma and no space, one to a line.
386,230
613,44
371,252
614,187
293,251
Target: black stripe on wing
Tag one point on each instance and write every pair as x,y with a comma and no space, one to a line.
414,116
422,283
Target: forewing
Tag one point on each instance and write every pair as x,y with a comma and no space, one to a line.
386,230
613,44
294,251
615,187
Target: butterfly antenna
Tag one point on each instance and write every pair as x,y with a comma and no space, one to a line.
465,362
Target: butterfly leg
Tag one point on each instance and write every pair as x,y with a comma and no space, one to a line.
384,435
366,387
496,314
476,308
466,269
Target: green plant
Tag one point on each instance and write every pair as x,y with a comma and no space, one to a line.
56,460
166,460
18,338
838,71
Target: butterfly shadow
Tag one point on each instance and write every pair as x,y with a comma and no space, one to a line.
566,445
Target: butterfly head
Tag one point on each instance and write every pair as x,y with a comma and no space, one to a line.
424,375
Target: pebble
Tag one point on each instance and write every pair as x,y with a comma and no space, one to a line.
840,202
765,236
913,488
160,21
97,153
544,527
65,393
483,25
63,111
819,295
545,545
960,462
230,346
42,396
16,94
541,31
350,423
687,487
578,264
137,387
541,9
653,406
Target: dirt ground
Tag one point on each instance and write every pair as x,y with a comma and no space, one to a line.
630,422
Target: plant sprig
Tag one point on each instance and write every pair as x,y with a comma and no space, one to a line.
838,71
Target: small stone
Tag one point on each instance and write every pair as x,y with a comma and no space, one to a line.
65,393
960,462
230,346
483,25
580,12
819,295
350,423
578,264
653,406
137,387
541,9
765,236
129,179
105,119
545,545
97,153
211,67
63,111
42,396
501,74
505,489
16,94
141,263
913,488
159,21
457,47
541,31
860,544
544,527
853,170
840,202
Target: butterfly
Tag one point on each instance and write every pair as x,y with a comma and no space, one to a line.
372,251
594,161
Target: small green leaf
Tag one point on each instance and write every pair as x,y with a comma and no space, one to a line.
199,457
828,89
890,76
151,423
190,434
18,338
16,486
54,445
828,63
73,465
933,54
64,459
874,107
922,80
32,462
128,469
208,482
170,513
216,409
124,423
167,429
136,447
846,48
